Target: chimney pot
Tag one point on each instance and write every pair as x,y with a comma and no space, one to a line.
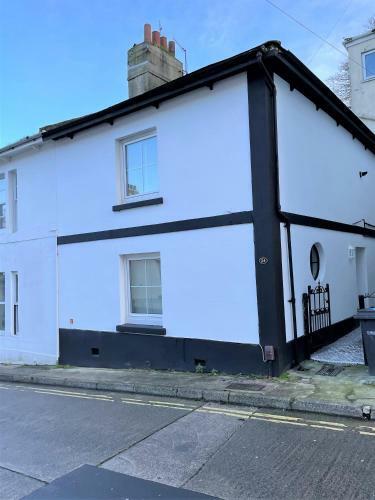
149,65
163,42
156,38
172,48
147,33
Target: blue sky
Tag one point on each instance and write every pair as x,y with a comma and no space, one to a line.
65,58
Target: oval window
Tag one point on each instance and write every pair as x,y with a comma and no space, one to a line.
314,261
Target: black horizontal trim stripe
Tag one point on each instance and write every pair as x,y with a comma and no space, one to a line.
137,204
165,227
305,220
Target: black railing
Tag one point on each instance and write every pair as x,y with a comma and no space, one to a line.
316,308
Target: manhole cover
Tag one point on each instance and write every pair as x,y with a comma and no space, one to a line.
330,370
245,387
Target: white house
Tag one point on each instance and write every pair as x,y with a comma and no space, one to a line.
183,226
361,58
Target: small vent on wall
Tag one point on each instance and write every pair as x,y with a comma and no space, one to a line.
200,362
94,351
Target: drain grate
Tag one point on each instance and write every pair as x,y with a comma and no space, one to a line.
245,387
330,370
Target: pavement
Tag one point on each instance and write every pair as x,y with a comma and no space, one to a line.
228,452
351,392
346,350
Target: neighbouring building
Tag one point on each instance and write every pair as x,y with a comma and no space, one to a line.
220,219
361,59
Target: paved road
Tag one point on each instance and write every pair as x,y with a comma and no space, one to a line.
232,453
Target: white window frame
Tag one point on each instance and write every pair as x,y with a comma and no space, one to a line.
2,332
15,292
3,229
364,54
121,153
13,200
127,315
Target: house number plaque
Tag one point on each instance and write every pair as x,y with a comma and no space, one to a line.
263,260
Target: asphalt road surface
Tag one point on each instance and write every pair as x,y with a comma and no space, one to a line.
225,451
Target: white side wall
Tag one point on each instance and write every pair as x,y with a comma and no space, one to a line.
203,162
320,162
31,251
208,283
337,269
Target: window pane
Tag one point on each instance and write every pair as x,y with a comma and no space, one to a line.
137,273
138,300
314,262
2,317
154,300
370,65
3,188
149,151
153,272
134,155
150,179
134,182
2,287
16,287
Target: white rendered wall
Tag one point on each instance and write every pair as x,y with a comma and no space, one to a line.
37,341
319,163
362,91
203,162
208,283
31,251
337,269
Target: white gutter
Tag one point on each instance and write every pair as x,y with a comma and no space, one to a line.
33,142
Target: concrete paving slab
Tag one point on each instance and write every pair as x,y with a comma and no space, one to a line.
28,437
14,486
174,454
273,460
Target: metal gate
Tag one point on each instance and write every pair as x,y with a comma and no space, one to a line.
316,308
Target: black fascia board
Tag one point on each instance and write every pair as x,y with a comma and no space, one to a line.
275,57
206,76
290,68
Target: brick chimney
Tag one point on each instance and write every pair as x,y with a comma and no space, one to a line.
152,63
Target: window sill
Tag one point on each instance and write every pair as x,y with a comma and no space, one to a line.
137,204
142,329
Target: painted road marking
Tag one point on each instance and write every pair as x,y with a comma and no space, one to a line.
73,396
367,427
73,392
221,412
365,430
279,421
158,405
281,417
135,403
132,399
166,403
326,427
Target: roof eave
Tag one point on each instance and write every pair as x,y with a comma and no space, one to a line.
278,59
29,142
